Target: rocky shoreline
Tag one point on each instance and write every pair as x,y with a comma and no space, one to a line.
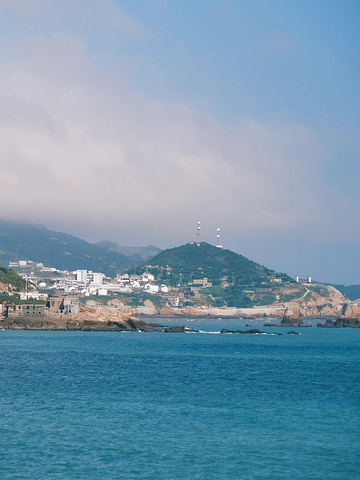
114,320
341,322
88,319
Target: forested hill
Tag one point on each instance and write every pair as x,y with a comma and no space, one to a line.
141,254
60,250
190,262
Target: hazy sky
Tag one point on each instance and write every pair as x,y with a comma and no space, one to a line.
131,120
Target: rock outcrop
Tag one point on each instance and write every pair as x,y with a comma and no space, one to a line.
88,319
318,301
351,310
341,322
180,329
350,317
292,321
252,331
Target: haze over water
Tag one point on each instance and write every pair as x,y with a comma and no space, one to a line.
78,405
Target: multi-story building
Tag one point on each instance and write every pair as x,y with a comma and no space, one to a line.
85,276
25,310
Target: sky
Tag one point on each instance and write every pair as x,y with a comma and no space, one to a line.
132,121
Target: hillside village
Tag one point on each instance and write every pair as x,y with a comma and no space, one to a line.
59,291
186,280
82,282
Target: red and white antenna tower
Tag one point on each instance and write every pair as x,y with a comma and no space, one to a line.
198,235
218,243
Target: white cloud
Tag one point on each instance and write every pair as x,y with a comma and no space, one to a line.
84,15
79,148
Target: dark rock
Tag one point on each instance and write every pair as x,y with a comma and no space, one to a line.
292,322
341,322
252,331
328,324
270,325
292,332
180,329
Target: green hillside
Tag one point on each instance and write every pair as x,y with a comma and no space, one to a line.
59,250
189,262
141,254
10,280
235,280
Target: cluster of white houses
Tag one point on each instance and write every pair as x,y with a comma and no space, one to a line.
87,282
74,285
93,283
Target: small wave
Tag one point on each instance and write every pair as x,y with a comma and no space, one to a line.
211,333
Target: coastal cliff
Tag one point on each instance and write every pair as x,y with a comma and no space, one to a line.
318,301
88,319
350,318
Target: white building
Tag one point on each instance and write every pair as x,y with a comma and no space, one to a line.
126,289
135,277
151,288
31,277
34,295
84,276
124,278
80,275
147,277
96,277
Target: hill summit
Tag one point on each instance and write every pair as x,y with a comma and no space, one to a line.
220,276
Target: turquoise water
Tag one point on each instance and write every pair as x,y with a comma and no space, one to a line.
76,405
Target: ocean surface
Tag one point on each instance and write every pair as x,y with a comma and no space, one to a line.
83,405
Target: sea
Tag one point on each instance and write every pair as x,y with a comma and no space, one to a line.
162,406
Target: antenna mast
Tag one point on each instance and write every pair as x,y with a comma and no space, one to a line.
218,243
198,234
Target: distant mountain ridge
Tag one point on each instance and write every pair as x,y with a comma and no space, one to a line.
19,241
142,253
352,292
